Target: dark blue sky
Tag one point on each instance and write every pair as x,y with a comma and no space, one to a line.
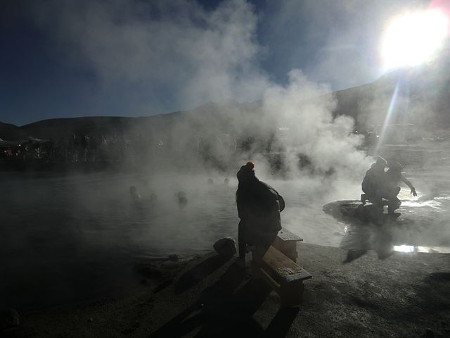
62,58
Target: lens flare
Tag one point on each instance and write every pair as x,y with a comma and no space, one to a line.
388,118
413,38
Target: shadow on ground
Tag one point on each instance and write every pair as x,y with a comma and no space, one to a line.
226,308
199,272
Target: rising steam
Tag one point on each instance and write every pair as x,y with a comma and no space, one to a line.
206,55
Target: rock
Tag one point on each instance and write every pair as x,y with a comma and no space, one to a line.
148,271
162,286
429,333
225,247
174,258
9,318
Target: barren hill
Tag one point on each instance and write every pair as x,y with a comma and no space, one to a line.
420,96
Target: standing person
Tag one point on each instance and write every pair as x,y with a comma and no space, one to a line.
391,189
259,207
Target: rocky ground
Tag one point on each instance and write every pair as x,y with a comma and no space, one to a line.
404,295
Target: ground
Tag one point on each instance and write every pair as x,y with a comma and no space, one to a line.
404,295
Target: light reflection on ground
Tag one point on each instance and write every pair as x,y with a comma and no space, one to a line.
422,249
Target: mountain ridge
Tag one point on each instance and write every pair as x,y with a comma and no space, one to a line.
423,96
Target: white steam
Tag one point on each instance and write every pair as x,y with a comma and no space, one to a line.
200,55
306,109
162,46
182,53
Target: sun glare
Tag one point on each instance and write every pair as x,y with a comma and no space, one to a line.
413,38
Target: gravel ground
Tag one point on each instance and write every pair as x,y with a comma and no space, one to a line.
404,295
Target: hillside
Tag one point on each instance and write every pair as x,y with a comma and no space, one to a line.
421,96
11,132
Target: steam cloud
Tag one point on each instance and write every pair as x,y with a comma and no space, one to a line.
214,55
159,46
170,55
199,54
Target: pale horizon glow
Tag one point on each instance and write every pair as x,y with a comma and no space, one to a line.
413,38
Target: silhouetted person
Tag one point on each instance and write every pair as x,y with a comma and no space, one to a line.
182,199
135,196
373,183
390,190
259,207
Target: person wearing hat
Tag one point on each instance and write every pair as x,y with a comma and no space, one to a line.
259,206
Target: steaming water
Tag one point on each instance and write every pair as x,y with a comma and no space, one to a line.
74,237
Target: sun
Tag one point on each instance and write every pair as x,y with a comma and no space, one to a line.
413,38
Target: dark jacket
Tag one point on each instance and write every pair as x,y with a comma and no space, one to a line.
373,180
259,206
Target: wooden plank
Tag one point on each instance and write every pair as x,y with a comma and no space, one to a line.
273,283
286,235
288,248
286,269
